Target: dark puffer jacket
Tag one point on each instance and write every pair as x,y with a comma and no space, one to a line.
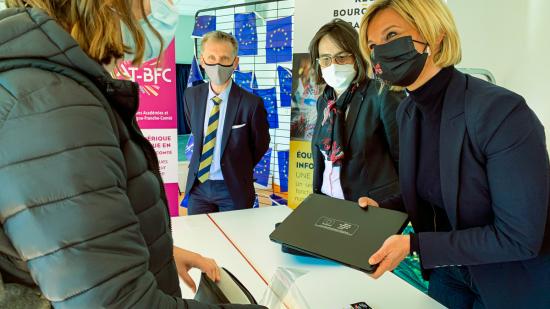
82,208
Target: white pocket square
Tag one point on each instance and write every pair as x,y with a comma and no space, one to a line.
238,126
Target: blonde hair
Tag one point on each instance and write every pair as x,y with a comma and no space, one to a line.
223,37
95,25
431,18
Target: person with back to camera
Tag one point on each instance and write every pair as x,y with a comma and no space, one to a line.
83,211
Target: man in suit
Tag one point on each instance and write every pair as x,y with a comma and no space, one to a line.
230,129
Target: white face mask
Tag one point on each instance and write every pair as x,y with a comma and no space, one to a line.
339,76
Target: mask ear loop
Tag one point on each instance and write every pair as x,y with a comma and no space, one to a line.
426,47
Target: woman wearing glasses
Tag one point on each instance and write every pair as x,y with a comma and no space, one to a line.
354,146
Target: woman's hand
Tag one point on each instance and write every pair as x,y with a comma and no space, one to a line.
393,251
367,201
185,260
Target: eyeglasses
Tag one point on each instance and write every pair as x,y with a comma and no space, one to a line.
326,61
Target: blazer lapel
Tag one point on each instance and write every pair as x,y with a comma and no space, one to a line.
451,139
408,144
232,107
354,108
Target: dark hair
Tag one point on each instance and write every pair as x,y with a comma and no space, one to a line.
347,38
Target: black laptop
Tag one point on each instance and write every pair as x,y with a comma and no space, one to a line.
339,230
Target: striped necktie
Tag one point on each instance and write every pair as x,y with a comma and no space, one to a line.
209,141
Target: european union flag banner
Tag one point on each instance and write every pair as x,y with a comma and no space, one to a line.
278,42
246,80
254,82
189,148
282,157
204,24
246,34
195,73
263,169
185,201
269,96
285,84
277,200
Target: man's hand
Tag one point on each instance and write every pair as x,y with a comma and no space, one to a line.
185,260
393,251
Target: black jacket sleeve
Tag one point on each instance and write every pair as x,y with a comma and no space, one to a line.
260,137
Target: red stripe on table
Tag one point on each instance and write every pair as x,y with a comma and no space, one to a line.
241,253
238,250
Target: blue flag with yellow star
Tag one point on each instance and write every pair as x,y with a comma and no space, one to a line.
285,84
189,148
269,96
246,34
195,75
282,157
204,24
246,80
277,200
278,42
263,169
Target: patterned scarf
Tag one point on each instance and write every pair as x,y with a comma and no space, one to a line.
332,133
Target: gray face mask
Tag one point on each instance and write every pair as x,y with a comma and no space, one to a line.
218,73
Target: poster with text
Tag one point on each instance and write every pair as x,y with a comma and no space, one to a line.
308,21
157,114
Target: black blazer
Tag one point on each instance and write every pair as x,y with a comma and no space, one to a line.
495,185
370,166
242,148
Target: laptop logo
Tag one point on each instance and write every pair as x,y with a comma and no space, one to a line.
338,226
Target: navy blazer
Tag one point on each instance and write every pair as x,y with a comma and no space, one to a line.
242,148
495,185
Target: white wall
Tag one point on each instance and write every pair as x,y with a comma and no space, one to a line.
511,39
185,48
313,14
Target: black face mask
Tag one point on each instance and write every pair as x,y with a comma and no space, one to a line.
397,62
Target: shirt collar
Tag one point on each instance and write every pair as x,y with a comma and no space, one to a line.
224,95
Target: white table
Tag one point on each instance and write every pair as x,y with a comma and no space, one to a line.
199,234
326,284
